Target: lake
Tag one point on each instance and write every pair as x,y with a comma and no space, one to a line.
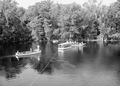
95,64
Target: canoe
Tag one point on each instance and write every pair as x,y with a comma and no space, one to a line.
27,54
64,46
64,49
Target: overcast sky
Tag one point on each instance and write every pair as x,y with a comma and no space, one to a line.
26,3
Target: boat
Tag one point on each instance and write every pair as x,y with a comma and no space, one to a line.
64,46
28,53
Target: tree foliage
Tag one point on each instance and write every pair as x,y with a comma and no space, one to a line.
12,28
48,20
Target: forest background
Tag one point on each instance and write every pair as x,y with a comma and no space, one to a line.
47,20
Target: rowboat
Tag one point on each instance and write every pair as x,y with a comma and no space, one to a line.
64,46
27,54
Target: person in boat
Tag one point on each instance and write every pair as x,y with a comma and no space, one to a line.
75,43
37,48
31,50
81,43
17,52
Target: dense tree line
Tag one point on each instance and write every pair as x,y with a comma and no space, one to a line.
12,28
47,20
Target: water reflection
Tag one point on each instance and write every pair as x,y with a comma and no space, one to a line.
10,67
95,64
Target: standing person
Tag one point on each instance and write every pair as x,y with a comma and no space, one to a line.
17,53
38,47
31,50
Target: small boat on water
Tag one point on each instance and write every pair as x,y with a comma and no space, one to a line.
64,46
68,45
28,53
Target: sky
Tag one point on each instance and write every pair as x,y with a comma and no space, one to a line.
26,3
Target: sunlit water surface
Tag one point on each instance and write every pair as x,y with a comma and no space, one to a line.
92,65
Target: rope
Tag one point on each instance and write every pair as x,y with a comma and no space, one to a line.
8,56
48,63
34,80
43,68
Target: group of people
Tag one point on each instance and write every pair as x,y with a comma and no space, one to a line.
76,43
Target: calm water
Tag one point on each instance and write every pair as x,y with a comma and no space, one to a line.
93,65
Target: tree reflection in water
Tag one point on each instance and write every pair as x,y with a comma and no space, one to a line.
11,67
96,61
45,65
42,65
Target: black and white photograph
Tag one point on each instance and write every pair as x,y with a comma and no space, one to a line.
59,42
